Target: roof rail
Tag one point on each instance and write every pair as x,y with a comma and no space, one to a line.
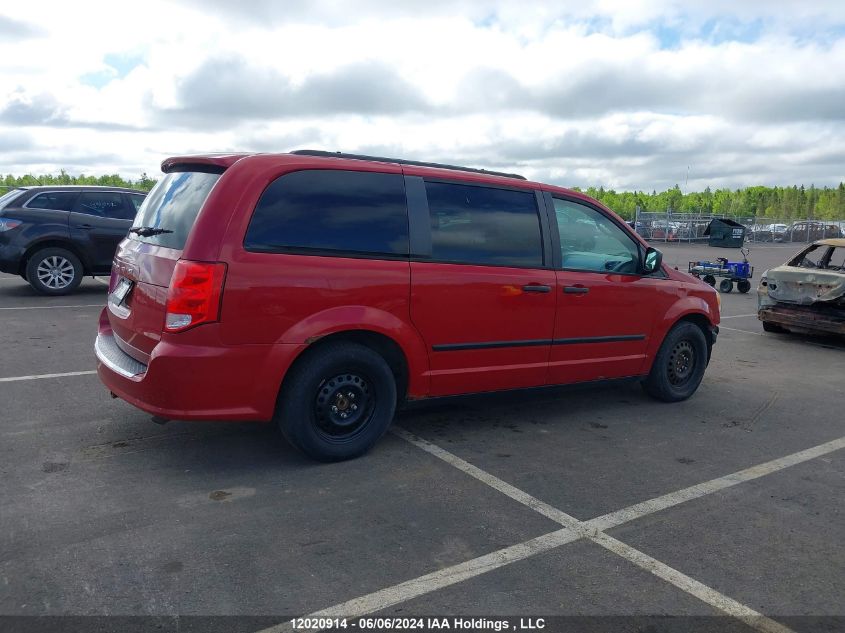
402,161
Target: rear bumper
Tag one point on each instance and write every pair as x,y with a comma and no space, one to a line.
196,382
804,317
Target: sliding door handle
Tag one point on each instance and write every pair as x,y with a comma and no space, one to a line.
575,290
536,288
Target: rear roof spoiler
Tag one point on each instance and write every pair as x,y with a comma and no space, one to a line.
211,163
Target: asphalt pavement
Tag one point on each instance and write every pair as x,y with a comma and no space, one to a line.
597,503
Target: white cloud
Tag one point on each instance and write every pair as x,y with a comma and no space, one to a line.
600,92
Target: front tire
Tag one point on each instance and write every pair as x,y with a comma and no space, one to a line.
337,402
679,366
54,271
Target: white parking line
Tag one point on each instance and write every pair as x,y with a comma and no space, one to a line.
573,530
738,316
783,337
691,586
733,329
43,376
631,513
491,480
103,281
83,305
439,579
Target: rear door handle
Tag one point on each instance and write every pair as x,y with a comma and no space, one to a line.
575,290
537,288
86,226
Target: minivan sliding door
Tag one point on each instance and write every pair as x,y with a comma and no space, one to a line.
482,297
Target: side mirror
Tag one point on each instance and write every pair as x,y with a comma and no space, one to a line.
653,260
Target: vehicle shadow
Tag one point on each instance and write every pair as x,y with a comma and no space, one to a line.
210,448
25,290
527,404
817,340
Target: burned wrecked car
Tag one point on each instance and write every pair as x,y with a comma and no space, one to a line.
807,293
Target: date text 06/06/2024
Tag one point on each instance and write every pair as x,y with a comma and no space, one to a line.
419,624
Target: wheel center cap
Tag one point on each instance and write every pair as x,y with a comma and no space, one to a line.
342,402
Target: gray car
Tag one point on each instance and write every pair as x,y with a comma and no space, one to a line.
807,293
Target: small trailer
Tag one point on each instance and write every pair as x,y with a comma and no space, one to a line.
731,272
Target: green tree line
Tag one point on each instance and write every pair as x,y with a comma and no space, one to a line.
797,202
144,183
790,203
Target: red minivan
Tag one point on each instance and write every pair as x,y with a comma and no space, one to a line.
321,290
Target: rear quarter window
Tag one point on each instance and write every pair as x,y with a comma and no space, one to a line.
173,205
331,212
137,200
104,204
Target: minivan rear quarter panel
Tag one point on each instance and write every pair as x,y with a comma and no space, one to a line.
292,299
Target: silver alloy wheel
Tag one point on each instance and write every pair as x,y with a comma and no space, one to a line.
55,272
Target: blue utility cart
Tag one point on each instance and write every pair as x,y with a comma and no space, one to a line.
731,272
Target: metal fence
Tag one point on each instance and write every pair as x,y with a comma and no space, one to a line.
691,227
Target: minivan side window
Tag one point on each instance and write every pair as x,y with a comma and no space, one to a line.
484,225
592,242
344,212
53,200
105,204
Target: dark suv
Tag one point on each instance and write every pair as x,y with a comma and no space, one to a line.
52,236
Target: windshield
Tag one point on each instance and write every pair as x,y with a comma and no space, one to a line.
820,256
172,206
7,197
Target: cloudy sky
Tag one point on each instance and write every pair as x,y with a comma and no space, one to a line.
630,94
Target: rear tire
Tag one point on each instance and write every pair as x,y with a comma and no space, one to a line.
710,279
337,401
743,286
768,326
54,271
726,285
679,365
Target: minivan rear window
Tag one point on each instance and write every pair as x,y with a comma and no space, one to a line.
173,205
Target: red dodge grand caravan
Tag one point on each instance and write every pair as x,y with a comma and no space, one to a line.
320,290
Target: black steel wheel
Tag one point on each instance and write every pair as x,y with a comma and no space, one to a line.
710,279
337,401
743,285
343,406
679,365
726,285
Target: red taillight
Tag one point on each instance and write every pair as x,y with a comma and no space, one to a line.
194,294
113,279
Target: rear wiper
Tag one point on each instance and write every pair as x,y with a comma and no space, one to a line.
147,231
